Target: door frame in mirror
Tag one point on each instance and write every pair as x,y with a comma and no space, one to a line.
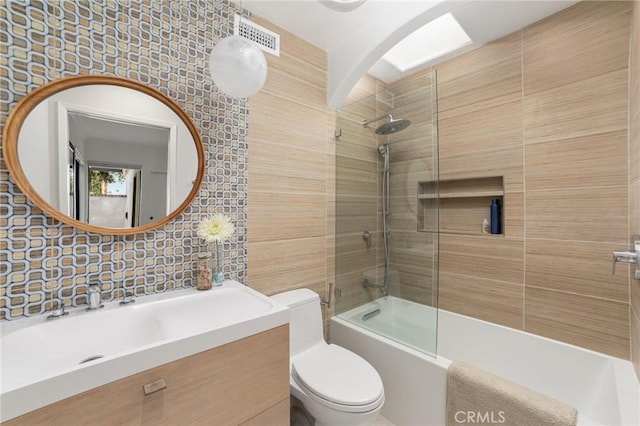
64,109
19,114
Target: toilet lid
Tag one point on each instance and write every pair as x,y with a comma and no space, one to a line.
338,375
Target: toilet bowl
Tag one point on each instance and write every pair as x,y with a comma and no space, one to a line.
336,386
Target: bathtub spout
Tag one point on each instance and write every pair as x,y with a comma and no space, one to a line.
366,284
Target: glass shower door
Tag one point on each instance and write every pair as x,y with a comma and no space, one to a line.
386,212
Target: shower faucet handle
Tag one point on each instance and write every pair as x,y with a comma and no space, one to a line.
366,236
631,257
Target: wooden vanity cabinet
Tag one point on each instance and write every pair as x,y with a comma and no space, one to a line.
241,383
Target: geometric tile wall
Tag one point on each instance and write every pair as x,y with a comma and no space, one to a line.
165,45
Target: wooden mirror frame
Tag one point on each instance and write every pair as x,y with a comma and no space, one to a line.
19,114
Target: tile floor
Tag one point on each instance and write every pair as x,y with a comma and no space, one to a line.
382,421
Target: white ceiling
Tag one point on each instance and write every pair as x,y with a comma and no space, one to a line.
483,20
92,128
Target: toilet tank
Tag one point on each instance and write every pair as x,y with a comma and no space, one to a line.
305,320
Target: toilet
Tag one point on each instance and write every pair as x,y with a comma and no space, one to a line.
336,386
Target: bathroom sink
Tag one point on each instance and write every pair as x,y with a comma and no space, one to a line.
46,361
37,351
221,307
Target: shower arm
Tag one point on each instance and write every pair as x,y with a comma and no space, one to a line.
366,123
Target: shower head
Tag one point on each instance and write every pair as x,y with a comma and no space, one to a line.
392,126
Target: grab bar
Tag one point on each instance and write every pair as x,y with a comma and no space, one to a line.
371,314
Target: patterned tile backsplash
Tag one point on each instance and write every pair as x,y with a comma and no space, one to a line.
165,45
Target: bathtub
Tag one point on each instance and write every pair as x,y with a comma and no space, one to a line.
603,389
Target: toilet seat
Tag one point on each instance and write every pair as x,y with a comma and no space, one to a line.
338,379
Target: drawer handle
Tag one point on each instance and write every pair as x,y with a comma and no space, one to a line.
155,386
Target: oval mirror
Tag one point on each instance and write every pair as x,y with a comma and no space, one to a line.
104,154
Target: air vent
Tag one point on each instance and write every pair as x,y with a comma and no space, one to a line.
265,39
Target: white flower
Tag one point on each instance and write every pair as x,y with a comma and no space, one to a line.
216,228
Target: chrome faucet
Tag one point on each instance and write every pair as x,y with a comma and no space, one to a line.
127,297
368,284
632,256
59,312
95,297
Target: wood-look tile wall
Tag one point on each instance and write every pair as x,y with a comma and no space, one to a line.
634,174
291,164
546,107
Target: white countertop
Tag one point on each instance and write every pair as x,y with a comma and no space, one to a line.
40,358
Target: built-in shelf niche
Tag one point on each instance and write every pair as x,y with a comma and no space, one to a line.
461,203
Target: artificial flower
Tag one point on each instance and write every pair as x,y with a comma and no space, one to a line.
216,229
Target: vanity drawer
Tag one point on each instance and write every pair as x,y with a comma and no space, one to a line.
227,385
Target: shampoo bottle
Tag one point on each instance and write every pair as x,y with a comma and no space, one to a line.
486,226
495,216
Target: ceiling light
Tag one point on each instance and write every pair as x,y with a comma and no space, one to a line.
238,66
437,38
342,5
